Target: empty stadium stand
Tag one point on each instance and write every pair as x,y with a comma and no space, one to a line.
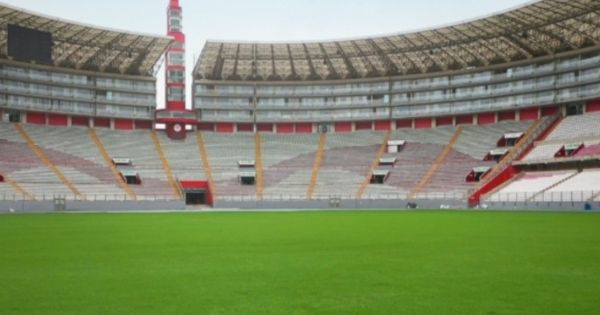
575,185
310,120
583,129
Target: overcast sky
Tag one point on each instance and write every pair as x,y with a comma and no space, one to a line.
269,20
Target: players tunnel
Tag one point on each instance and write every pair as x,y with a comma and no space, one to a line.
197,193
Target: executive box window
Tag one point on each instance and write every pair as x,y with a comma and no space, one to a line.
176,76
176,58
176,94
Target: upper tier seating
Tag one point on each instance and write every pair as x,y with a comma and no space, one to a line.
543,151
591,148
477,141
575,127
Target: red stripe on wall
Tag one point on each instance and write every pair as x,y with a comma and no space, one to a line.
464,120
343,127
225,127
102,122
506,116
550,110
443,121
57,120
206,127
593,106
245,128
285,128
404,123
143,124
123,124
529,114
80,121
383,125
423,123
36,118
486,118
265,127
304,128
364,125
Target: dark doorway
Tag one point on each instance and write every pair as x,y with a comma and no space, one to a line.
14,117
247,181
195,197
573,110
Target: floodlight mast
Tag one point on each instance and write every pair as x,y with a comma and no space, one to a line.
175,115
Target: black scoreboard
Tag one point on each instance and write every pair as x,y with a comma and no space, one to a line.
27,44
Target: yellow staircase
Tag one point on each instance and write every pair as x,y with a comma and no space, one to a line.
317,166
260,185
27,195
437,164
111,166
532,132
380,153
44,158
165,164
206,163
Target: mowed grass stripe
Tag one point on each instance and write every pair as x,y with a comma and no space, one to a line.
301,263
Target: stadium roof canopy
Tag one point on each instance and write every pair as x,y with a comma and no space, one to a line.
80,46
538,29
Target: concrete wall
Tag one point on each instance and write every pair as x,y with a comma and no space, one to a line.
339,204
116,206
49,206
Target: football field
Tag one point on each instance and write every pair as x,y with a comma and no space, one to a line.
380,263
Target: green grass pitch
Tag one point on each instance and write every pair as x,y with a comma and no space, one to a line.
301,263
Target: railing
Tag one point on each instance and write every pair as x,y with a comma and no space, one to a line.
366,197
553,196
87,197
529,197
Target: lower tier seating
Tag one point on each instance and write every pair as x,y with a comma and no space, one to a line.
287,162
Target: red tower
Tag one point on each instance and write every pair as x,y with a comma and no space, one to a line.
175,116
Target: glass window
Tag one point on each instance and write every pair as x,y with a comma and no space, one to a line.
176,76
176,94
176,58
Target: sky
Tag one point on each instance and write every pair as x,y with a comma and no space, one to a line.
268,20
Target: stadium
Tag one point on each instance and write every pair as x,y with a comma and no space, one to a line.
496,113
